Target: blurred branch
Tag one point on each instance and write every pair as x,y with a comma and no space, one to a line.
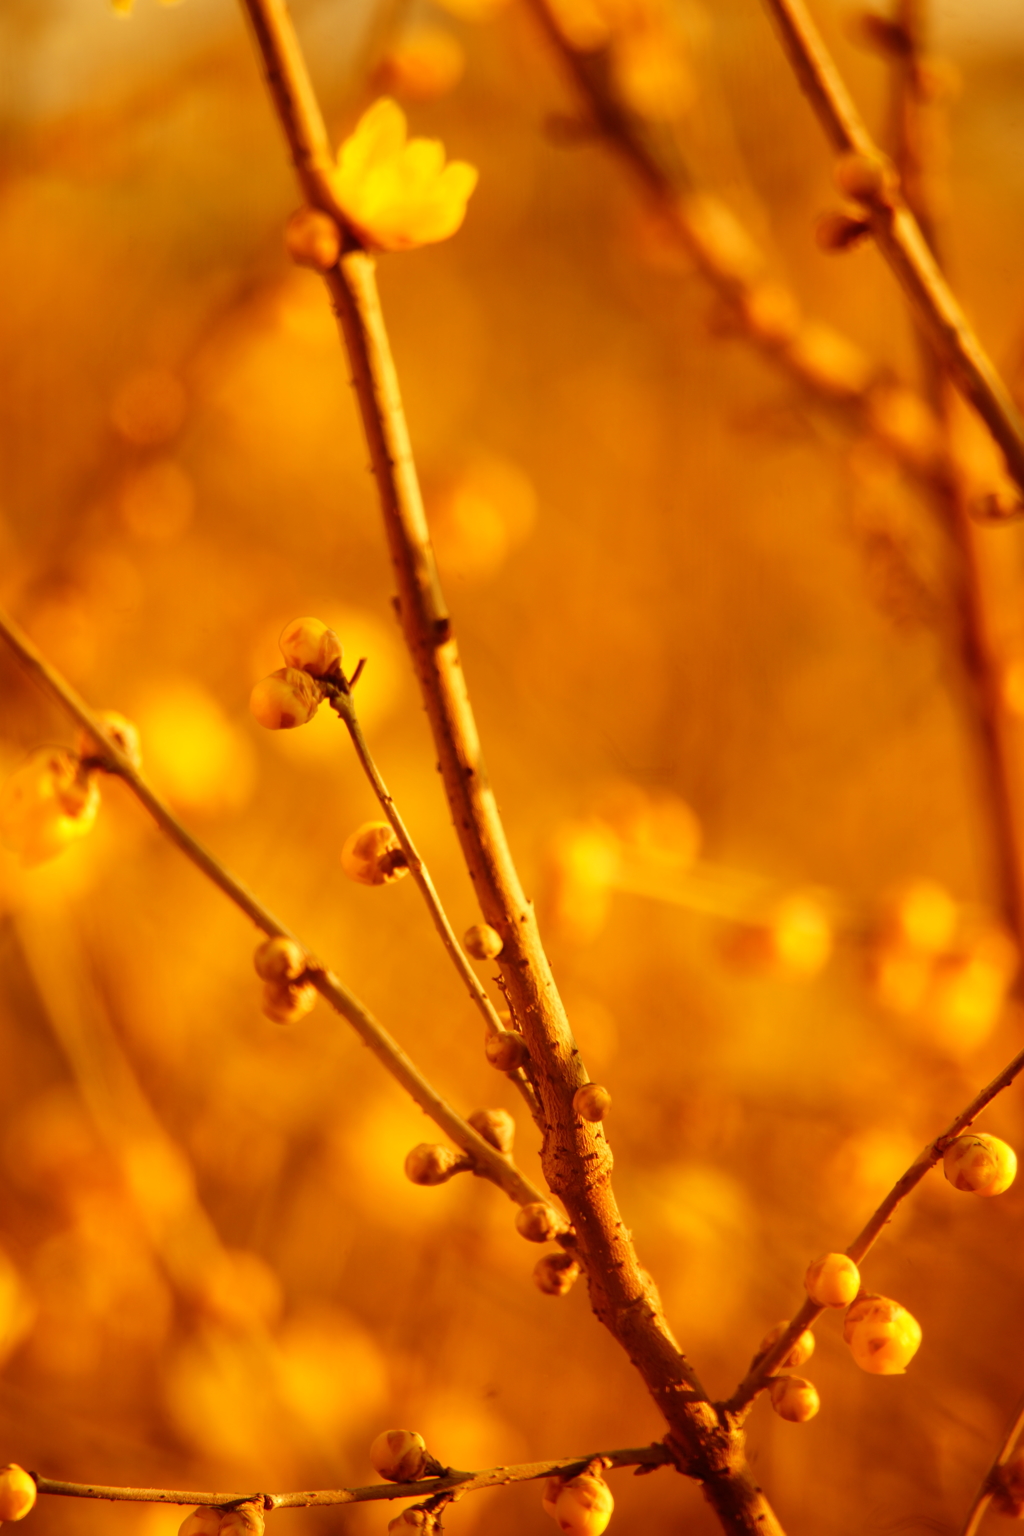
757,1378
983,1497
486,1160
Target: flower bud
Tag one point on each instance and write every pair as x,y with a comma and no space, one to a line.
430,1164
505,1049
591,1102
373,855
285,699
203,1521
46,804
920,915
279,959
122,733
246,1520
312,239
412,1522
866,178
17,1492
838,231
980,1165
310,646
482,941
794,1399
287,1002
800,1351
882,1335
495,1126
400,1455
556,1273
1007,1486
833,1280
581,1505
538,1222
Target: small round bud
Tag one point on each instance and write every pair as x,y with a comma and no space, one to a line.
412,1522
794,1399
279,959
833,1280
882,1335
203,1521
429,1164
400,1455
980,1165
287,1003
122,733
837,231
556,1273
505,1049
581,1505
800,1350
495,1126
46,804
285,699
17,1492
591,1102
373,855
1007,1485
482,941
310,646
865,178
538,1222
246,1520
312,239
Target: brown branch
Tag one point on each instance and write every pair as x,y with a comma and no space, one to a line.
486,1160
575,1155
983,1497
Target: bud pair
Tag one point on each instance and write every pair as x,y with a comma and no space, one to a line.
291,696
288,994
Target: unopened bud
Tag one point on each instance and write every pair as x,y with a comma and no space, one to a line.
1007,1486
310,646
538,1222
505,1049
400,1455
279,959
833,1280
496,1126
412,1522
591,1102
17,1492
800,1351
203,1521
865,178
285,699
373,855
430,1164
794,1399
246,1520
482,941
837,231
883,1336
556,1273
312,239
287,1002
980,1165
121,732
582,1505
47,804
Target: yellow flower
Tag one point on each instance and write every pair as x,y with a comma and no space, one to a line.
396,194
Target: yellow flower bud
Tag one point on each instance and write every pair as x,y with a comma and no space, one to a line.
285,699
980,1165
287,1003
46,804
833,1280
279,959
203,1521
794,1399
496,1126
1007,1484
921,915
400,1455
373,855
246,1520
310,646
122,732
505,1049
882,1335
591,1102
582,1505
538,1222
313,239
556,1273
412,1522
429,1164
482,941
800,1350
17,1492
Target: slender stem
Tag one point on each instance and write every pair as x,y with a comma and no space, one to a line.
648,1456
900,240
486,1159
983,1496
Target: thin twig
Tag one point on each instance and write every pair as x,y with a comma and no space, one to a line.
983,1496
486,1159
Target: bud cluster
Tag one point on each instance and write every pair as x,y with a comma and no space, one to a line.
292,695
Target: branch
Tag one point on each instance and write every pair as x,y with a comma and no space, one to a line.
983,1497
486,1160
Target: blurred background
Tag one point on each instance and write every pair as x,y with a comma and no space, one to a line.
710,638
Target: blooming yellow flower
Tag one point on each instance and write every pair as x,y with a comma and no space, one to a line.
397,194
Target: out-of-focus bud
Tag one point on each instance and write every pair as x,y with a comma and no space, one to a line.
400,1455
421,65
882,1335
430,1164
880,35
921,915
373,855
591,1102
799,1352
312,239
793,939
794,1399
310,646
495,1126
279,959
287,1003
203,1521
246,1520
866,178
838,231
46,804
285,699
122,732
980,1165
833,1280
771,312
968,989
482,941
17,1492
538,1222
505,1050
556,1273
1007,1485
582,1505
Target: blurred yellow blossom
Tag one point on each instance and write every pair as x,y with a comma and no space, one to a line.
399,194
